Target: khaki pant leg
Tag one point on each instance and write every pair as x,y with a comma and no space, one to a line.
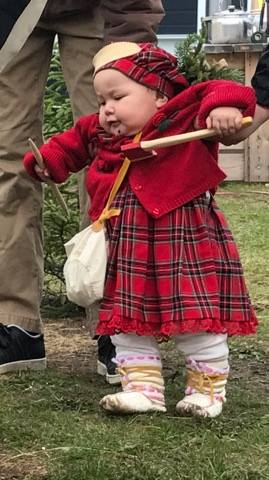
80,37
22,85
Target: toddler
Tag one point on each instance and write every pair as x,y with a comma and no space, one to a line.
173,267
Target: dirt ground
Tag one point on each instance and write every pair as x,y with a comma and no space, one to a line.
69,346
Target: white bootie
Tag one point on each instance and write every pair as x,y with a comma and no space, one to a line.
130,402
205,391
199,404
143,388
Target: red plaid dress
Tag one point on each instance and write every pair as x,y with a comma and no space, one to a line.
180,273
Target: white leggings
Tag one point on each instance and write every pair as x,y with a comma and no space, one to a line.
201,347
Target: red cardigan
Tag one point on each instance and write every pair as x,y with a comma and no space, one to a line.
175,176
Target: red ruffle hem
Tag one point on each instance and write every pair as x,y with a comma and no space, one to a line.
180,273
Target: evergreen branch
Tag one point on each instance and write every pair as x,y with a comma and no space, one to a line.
195,66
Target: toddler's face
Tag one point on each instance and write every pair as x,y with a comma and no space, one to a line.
125,106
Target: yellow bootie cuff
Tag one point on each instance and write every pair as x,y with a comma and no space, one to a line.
206,383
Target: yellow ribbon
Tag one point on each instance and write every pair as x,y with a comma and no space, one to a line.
205,383
105,215
141,374
114,212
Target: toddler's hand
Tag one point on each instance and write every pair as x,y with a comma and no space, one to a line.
42,173
33,168
225,120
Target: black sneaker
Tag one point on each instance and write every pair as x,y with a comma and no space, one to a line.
20,350
105,366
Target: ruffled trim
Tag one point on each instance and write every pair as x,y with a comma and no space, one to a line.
115,325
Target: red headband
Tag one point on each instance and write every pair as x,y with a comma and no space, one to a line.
153,67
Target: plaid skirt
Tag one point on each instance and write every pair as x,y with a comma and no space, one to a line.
180,273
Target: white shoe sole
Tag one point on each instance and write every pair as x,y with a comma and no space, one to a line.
111,379
130,402
35,364
199,405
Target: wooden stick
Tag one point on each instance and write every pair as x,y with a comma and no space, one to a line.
55,189
185,137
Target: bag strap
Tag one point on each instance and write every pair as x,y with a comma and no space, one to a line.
114,212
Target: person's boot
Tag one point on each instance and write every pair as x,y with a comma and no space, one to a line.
143,389
205,392
105,364
20,349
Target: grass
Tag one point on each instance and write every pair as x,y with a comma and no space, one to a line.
51,426
54,421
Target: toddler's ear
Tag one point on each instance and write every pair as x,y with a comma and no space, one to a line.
161,100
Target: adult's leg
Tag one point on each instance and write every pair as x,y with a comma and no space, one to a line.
21,264
22,85
207,372
139,363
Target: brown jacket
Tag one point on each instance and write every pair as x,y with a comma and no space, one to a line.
59,8
134,20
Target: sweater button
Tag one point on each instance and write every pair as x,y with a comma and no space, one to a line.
138,187
155,211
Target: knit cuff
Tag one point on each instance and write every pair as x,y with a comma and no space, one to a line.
54,163
235,95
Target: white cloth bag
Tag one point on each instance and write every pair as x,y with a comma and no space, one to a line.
85,267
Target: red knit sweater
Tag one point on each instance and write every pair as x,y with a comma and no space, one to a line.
175,176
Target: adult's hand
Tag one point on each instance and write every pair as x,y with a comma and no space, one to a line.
260,116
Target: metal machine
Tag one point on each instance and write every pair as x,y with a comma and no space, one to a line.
228,24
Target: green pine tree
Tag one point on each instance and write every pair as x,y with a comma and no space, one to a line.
58,229
194,65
